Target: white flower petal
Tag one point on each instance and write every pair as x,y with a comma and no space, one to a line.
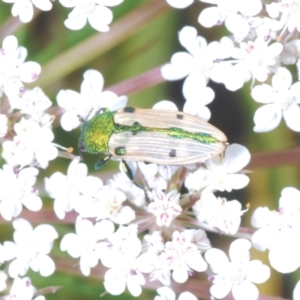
260,238
284,251
134,283
104,229
217,260
236,181
165,292
263,93
76,19
219,291
92,84
296,293
187,296
197,109
257,272
100,18
46,265
250,8
239,250
292,116
245,291
165,105
236,157
181,65
33,202
267,118
10,43
24,10
29,71
16,268
282,80
187,37
180,3
114,282
180,274
238,25
209,17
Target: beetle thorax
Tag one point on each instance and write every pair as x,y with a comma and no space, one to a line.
97,131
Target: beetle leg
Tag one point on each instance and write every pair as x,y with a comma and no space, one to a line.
129,174
101,162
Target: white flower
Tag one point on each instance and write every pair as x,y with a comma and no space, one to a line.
165,207
116,279
3,125
291,52
22,289
153,243
32,144
95,11
197,66
133,193
253,59
84,242
289,11
183,256
91,98
32,102
14,70
227,10
282,99
150,260
24,8
166,293
65,189
30,249
120,255
16,189
219,213
103,202
157,176
123,243
237,275
279,232
156,265
180,3
221,173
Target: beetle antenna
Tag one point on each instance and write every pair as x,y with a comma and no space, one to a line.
82,120
80,154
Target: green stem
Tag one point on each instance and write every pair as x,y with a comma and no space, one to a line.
275,158
12,25
138,83
97,44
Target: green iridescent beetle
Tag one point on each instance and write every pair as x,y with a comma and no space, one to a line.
150,135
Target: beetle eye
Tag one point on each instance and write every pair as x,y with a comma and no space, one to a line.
81,146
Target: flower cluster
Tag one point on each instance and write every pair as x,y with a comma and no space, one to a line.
150,221
95,11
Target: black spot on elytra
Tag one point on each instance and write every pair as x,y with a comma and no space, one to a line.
172,153
120,150
129,109
180,117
